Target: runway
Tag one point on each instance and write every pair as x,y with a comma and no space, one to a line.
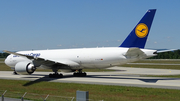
123,76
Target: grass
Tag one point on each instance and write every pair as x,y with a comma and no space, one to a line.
2,59
15,88
4,67
164,61
153,66
156,66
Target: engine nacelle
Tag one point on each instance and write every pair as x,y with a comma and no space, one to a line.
24,68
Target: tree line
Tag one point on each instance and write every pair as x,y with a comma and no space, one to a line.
168,55
3,55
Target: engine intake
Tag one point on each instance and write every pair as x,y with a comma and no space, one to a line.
24,68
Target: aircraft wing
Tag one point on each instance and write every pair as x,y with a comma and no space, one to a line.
38,61
135,53
29,57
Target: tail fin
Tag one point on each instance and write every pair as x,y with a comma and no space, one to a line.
138,36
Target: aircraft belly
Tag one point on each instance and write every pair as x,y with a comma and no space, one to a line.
101,62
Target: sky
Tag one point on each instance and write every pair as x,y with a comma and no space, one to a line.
64,24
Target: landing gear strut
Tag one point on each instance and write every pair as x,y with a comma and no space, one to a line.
15,73
80,73
55,74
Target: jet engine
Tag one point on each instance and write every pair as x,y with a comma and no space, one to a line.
24,68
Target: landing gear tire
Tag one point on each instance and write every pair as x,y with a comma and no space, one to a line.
55,75
79,74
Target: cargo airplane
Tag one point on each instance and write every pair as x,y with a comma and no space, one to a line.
75,60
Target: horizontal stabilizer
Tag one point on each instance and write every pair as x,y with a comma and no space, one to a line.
165,50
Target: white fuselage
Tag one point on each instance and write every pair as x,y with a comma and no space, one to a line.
84,57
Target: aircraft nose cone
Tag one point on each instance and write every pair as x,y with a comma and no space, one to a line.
7,61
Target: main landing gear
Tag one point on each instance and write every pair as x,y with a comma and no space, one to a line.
80,73
55,75
76,74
